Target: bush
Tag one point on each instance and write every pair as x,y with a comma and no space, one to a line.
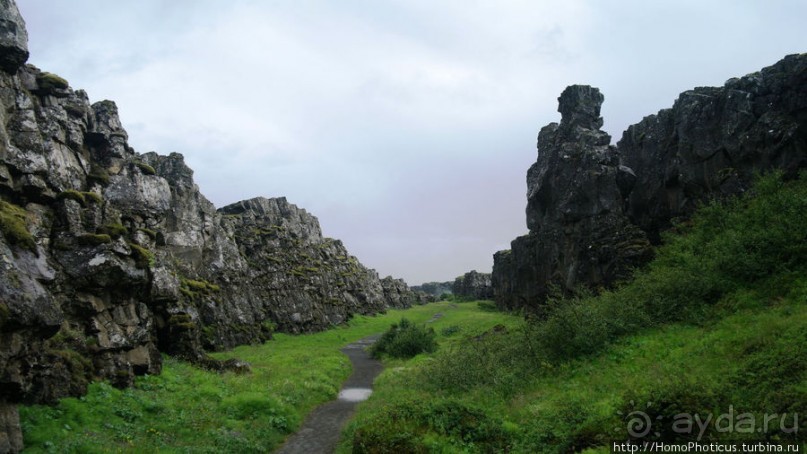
405,340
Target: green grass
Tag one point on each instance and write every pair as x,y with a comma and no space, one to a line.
715,325
190,409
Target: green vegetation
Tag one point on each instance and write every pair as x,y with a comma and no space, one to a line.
49,81
72,194
193,289
143,257
405,340
152,234
115,230
93,197
717,323
188,409
5,314
98,175
145,169
13,226
93,239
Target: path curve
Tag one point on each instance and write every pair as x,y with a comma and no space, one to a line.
321,429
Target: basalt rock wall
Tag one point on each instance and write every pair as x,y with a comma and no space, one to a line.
594,209
109,257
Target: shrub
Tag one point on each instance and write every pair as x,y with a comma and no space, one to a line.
12,224
405,340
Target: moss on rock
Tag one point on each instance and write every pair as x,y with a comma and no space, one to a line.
12,224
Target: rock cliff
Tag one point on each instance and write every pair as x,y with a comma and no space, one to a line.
109,257
474,286
593,209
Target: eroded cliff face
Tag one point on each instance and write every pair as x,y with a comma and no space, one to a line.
473,285
109,257
593,209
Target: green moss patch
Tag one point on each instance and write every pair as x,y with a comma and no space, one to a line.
98,175
93,197
114,230
192,288
12,224
72,194
143,257
145,169
49,81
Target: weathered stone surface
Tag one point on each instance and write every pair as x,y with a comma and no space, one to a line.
473,285
579,234
593,207
117,256
713,140
13,37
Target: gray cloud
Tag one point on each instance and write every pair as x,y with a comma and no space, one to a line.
407,127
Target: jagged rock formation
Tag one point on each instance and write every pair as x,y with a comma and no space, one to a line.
473,285
109,257
593,209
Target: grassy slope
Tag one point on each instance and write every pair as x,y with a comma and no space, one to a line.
188,409
716,325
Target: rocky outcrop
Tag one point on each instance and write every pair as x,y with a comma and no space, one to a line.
713,140
473,286
593,209
109,257
13,37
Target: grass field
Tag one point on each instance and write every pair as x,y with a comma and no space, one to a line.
186,409
706,344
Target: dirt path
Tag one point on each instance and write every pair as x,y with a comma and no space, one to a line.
321,428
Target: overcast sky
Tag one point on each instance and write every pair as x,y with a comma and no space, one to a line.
406,126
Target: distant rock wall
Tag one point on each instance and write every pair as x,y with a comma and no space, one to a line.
109,257
435,289
593,209
473,285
